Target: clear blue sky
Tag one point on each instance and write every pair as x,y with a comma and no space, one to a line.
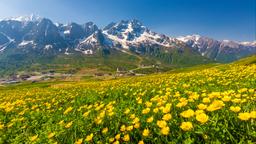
220,19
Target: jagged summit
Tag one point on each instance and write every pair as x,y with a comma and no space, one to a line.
129,33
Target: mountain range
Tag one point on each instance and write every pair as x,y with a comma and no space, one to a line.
27,40
222,51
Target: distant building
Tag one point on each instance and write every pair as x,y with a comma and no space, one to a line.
24,77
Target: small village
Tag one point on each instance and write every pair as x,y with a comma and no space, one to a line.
51,75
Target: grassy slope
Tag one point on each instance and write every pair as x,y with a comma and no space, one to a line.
244,61
223,125
247,60
12,63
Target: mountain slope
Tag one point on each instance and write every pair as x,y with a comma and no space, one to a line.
132,36
223,51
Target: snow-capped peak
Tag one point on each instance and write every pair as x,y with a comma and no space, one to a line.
194,37
27,18
126,29
132,32
249,43
197,39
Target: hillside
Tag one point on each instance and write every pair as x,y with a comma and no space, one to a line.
198,105
247,60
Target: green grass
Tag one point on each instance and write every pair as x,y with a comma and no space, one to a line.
13,63
30,112
246,60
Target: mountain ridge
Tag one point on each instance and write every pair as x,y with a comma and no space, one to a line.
126,34
217,49
32,39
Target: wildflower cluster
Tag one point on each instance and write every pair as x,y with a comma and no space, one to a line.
208,106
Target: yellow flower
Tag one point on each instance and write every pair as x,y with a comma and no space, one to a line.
141,142
186,126
244,116
50,135
111,114
69,125
89,137
226,98
105,130
98,120
111,140
235,109
206,100
79,141
1,126
161,123
167,108
117,137
149,120
139,101
116,142
188,113
137,125
197,112
136,120
69,109
61,122
8,109
202,106
122,129
182,104
86,114
236,100
215,105
155,110
165,130
146,110
167,117
253,115
127,111
126,138
202,118
145,132
34,138
132,116
251,90
129,128
148,104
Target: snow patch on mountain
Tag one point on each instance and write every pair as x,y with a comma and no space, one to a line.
66,32
187,38
10,39
24,43
90,40
47,47
86,52
28,18
229,43
253,44
5,45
